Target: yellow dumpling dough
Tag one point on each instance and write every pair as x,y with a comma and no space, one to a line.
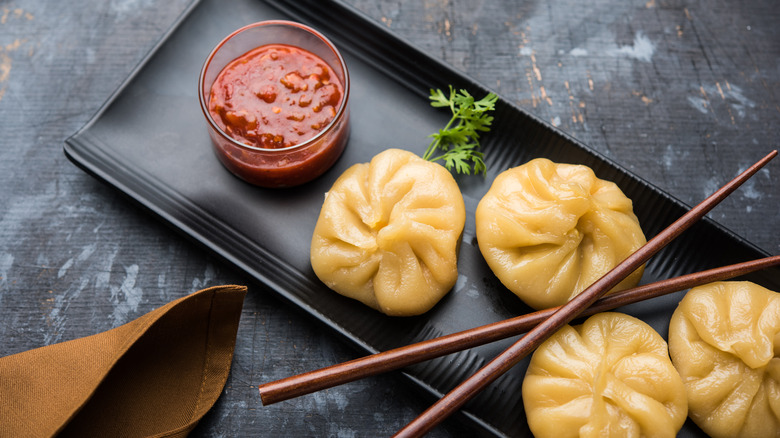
609,377
388,233
549,230
724,339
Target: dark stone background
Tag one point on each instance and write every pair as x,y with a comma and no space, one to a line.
684,93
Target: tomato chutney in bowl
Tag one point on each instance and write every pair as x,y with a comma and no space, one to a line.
274,95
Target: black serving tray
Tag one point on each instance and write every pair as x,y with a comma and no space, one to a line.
150,142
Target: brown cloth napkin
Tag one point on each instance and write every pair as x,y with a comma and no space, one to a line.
155,376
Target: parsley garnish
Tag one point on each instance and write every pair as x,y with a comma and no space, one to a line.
459,140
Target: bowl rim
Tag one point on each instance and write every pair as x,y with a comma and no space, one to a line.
336,119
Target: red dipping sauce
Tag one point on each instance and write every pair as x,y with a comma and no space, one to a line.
277,113
275,96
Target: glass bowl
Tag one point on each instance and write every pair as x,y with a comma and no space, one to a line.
284,164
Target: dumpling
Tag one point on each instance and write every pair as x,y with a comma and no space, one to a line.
724,339
611,376
389,232
549,230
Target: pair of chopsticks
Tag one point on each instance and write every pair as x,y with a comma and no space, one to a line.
539,325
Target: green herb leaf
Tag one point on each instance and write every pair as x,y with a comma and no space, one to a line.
459,140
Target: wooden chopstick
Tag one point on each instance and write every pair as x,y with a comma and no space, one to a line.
302,384
456,398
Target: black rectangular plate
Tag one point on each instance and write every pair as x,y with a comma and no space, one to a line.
150,142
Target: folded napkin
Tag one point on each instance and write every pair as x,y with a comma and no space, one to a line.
155,376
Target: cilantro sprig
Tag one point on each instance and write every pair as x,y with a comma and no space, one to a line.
459,140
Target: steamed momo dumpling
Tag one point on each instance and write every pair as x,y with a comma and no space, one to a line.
549,230
388,233
611,376
724,339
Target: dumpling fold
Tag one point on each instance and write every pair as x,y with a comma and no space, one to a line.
549,230
724,339
610,376
388,233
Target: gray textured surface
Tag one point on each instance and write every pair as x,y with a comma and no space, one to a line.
685,94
